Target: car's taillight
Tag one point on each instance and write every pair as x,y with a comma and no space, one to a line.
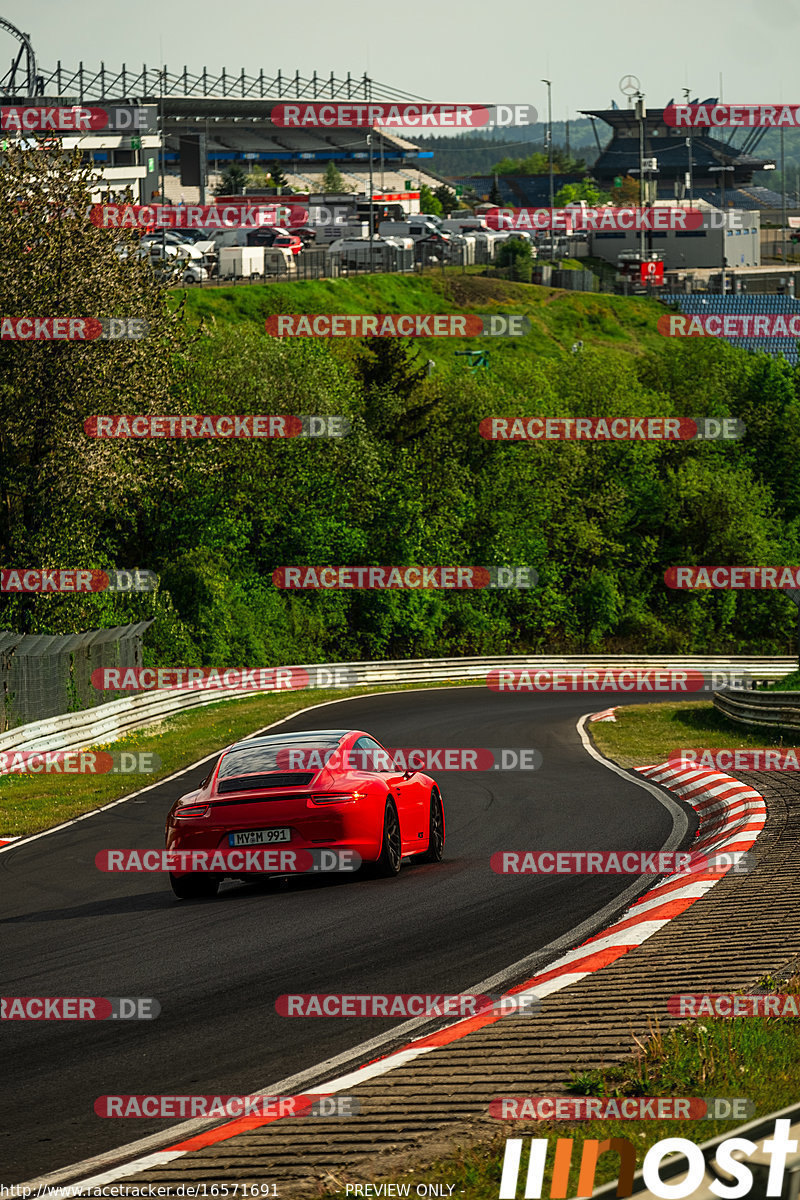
193,810
335,797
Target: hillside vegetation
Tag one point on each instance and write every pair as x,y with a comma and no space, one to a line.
415,483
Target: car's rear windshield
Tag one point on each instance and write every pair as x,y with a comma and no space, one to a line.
277,756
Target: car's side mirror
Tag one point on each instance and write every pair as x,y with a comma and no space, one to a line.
408,773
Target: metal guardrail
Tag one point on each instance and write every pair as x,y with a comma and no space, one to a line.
765,710
43,675
106,722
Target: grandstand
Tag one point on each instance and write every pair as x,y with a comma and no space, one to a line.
669,147
694,305
213,119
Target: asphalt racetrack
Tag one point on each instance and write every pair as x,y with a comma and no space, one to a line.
216,967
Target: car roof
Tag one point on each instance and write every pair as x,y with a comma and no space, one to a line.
303,735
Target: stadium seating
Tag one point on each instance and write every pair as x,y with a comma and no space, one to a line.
701,304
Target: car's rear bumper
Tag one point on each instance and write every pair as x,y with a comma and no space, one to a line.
330,834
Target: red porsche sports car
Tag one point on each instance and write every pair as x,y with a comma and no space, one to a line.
326,789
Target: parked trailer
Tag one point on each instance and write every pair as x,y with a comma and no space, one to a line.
241,262
254,262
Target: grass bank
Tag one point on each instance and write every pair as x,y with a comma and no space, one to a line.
31,803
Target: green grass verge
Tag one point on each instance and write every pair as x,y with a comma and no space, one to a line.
31,803
789,683
646,733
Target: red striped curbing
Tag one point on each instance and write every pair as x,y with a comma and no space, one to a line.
606,715
731,817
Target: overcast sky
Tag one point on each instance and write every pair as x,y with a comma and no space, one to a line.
465,51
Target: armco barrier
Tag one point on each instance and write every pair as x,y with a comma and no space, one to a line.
106,722
769,710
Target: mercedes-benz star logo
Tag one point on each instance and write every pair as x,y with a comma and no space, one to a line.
629,85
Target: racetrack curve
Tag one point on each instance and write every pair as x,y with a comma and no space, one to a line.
70,930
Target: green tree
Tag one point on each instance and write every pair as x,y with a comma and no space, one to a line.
428,203
515,254
495,195
447,198
258,180
59,487
333,180
627,194
233,182
589,192
538,163
279,180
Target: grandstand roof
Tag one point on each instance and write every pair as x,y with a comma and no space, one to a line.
663,143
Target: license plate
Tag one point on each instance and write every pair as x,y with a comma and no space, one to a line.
260,837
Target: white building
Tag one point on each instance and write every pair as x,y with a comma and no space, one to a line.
692,248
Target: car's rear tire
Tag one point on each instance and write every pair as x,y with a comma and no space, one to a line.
391,847
435,851
194,887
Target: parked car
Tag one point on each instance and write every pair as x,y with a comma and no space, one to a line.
463,224
416,228
265,236
434,245
307,236
196,273
288,241
169,237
